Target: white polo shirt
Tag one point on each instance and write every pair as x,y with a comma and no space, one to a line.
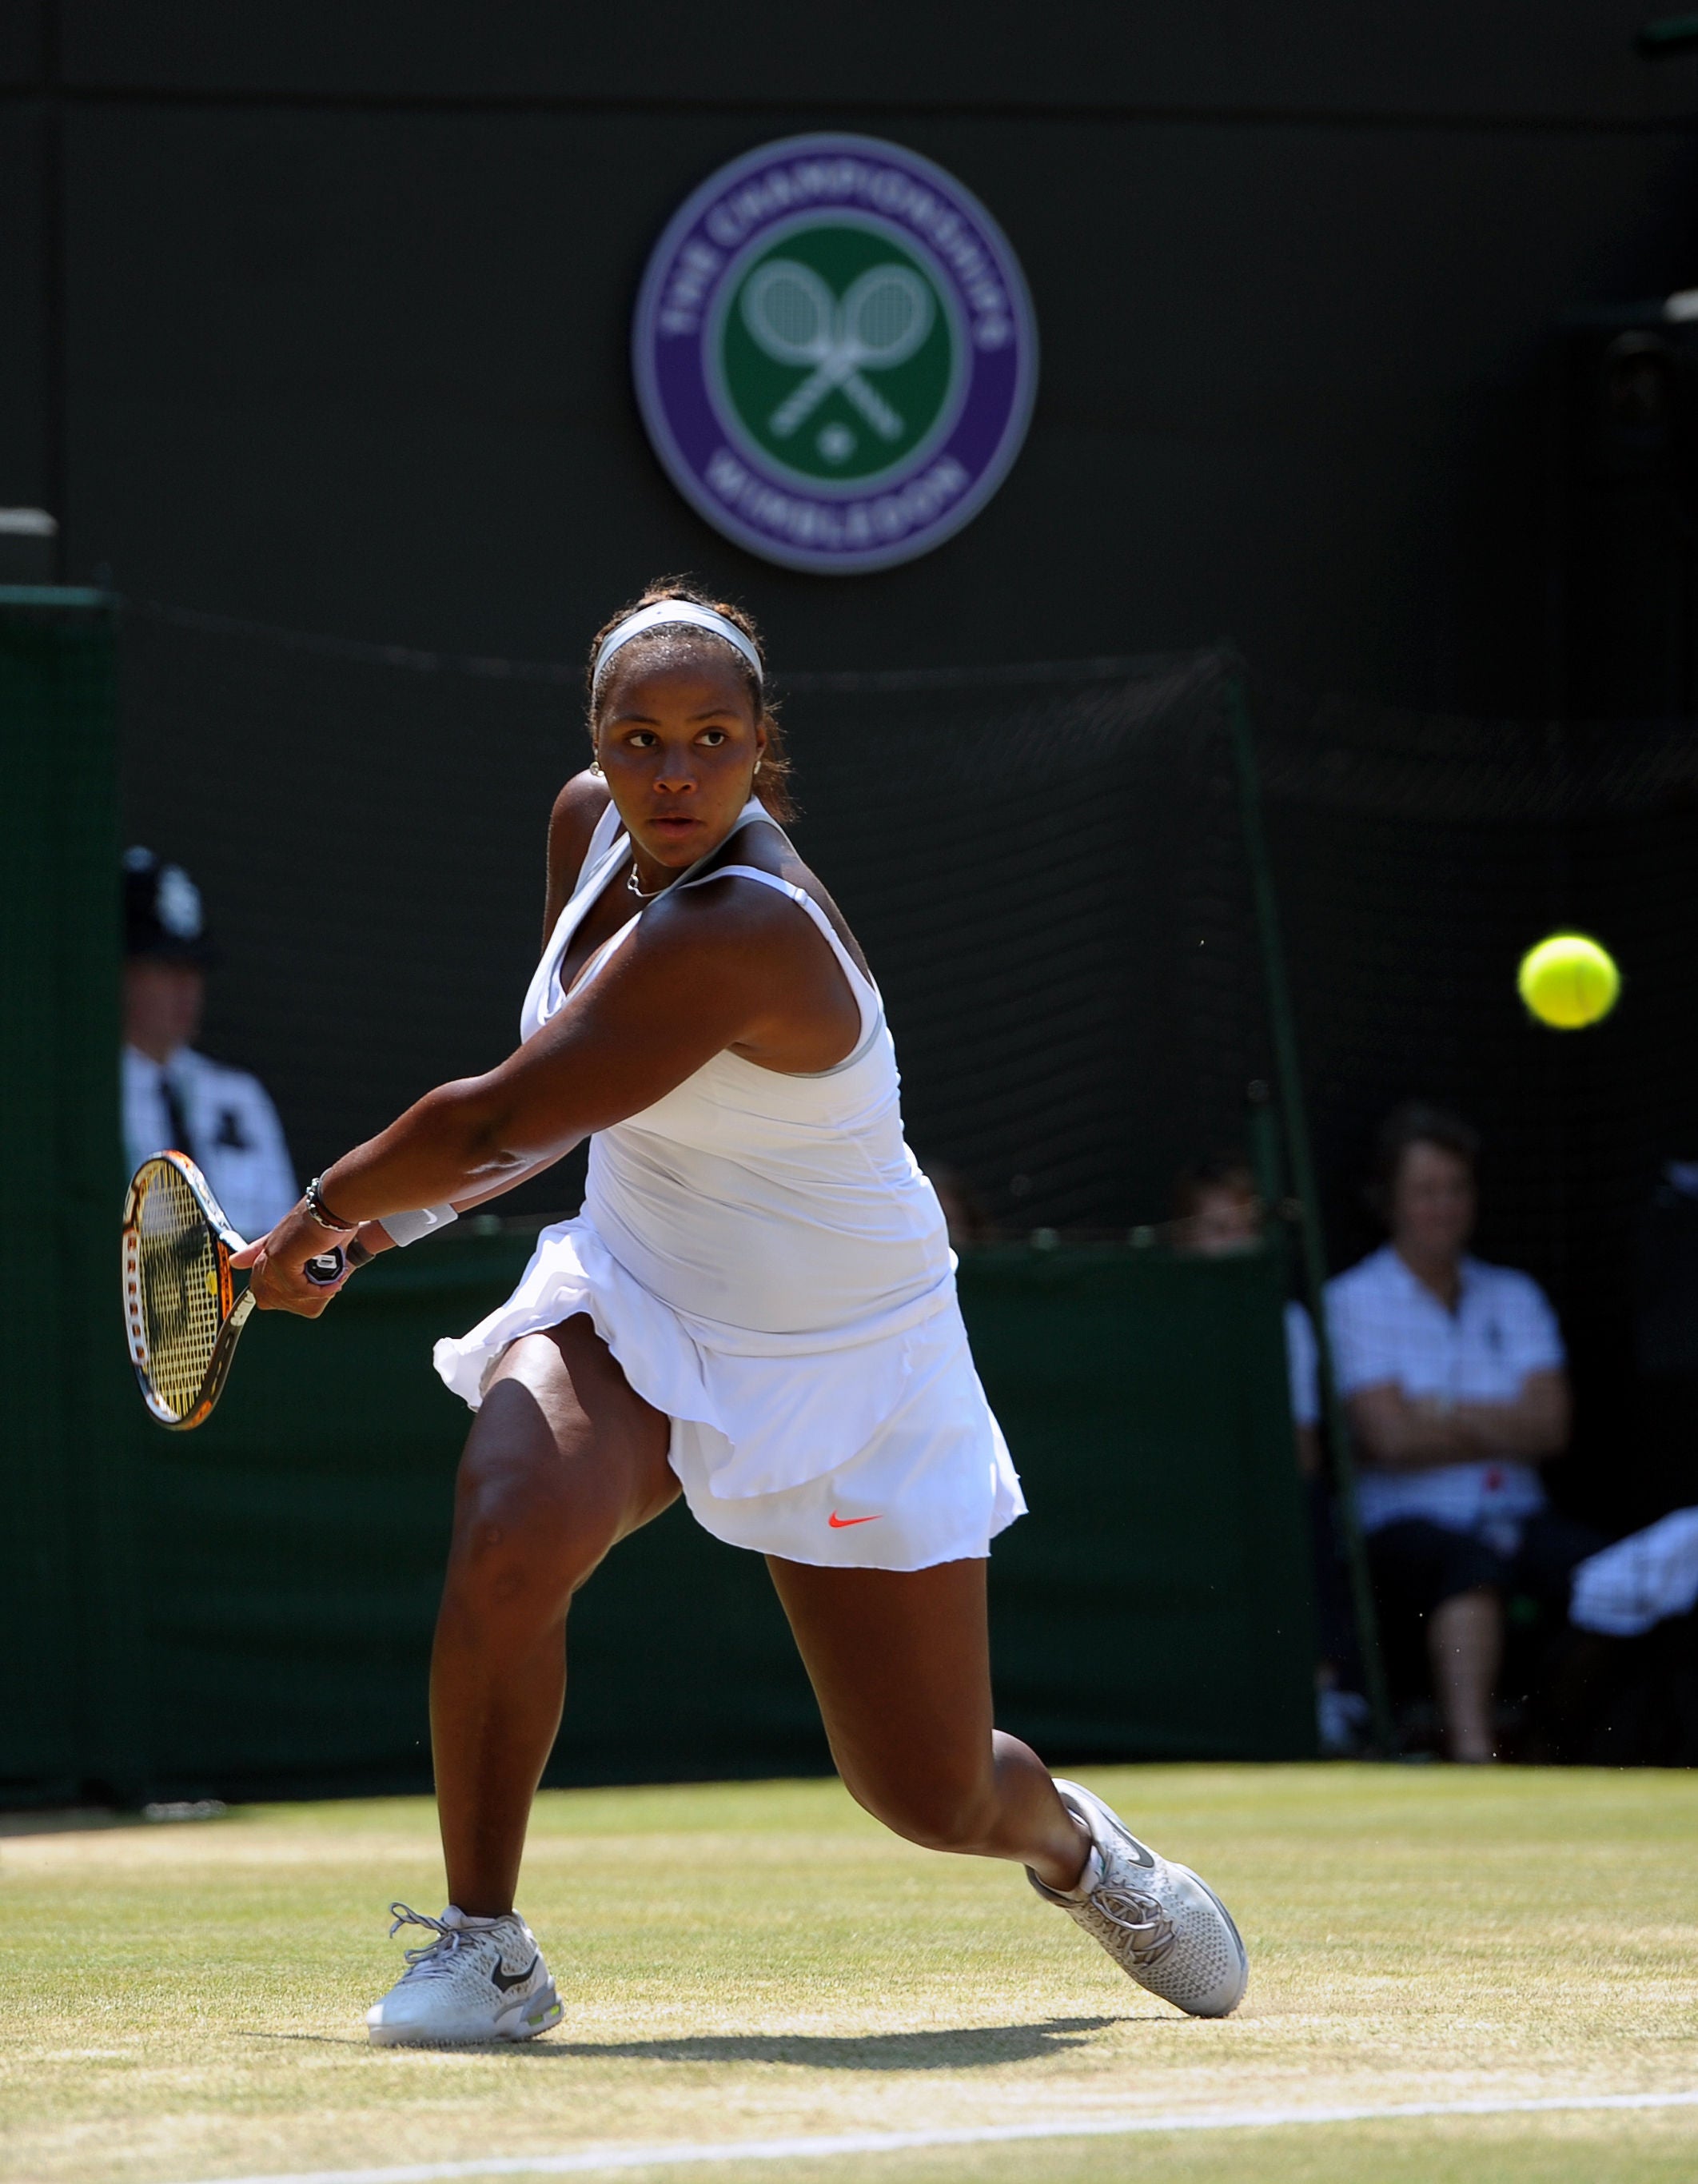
1386,1326
234,1134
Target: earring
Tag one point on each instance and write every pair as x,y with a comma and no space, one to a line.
759,763
595,765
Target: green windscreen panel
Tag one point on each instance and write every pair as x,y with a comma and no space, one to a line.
1155,1603
248,1608
70,1722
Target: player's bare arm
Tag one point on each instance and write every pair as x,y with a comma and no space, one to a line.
572,823
728,966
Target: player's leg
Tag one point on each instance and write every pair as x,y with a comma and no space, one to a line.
563,1459
900,1663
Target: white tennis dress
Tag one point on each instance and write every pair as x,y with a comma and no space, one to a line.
762,1254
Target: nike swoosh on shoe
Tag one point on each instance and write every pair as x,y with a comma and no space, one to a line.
508,1981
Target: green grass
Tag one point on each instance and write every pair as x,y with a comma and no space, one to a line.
752,1961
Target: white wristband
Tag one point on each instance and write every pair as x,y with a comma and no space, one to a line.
404,1228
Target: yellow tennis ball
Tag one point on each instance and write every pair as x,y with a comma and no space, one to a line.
1568,981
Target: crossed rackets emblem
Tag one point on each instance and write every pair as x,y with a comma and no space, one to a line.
878,322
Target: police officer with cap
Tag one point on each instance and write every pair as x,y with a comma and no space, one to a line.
175,1099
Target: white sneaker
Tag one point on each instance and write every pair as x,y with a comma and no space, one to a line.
479,1979
1162,1927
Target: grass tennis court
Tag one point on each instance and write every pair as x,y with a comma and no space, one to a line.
757,1961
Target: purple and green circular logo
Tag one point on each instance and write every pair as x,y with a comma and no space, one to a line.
835,353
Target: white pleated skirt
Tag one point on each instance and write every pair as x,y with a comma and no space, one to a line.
872,1453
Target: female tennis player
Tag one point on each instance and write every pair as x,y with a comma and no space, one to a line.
756,1307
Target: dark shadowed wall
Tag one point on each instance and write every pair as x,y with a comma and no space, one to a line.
318,314
318,317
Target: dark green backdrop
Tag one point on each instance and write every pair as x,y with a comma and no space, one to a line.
282,1575
66,1708
248,1608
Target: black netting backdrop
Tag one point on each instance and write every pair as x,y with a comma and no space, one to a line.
369,839
1047,869
1044,867
1047,873
1417,858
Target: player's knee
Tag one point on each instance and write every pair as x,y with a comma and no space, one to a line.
520,1541
937,1813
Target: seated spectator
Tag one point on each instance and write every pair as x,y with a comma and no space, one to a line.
175,1099
1453,1375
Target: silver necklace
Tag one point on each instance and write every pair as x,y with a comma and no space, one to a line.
643,894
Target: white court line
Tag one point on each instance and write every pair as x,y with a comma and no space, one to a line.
591,2161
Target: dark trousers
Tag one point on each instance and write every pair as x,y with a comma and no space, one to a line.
1417,1566
1550,1670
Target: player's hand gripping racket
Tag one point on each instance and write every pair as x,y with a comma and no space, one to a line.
180,1312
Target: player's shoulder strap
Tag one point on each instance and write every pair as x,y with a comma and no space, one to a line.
602,837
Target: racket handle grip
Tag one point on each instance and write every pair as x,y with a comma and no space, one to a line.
327,1268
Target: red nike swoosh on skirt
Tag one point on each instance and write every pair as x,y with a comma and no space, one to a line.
842,1523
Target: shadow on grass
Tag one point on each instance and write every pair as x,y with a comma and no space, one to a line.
962,2047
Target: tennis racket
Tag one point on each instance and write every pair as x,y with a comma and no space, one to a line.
180,1312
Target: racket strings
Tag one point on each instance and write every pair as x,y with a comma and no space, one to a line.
791,314
888,316
182,1300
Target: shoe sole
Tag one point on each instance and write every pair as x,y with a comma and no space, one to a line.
531,2021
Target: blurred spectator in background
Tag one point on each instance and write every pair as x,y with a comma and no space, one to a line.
1453,1373
963,1210
1650,1577
1218,1210
175,1099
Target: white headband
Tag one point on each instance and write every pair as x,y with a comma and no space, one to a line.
662,614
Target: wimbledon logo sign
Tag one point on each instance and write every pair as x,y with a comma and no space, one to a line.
835,353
